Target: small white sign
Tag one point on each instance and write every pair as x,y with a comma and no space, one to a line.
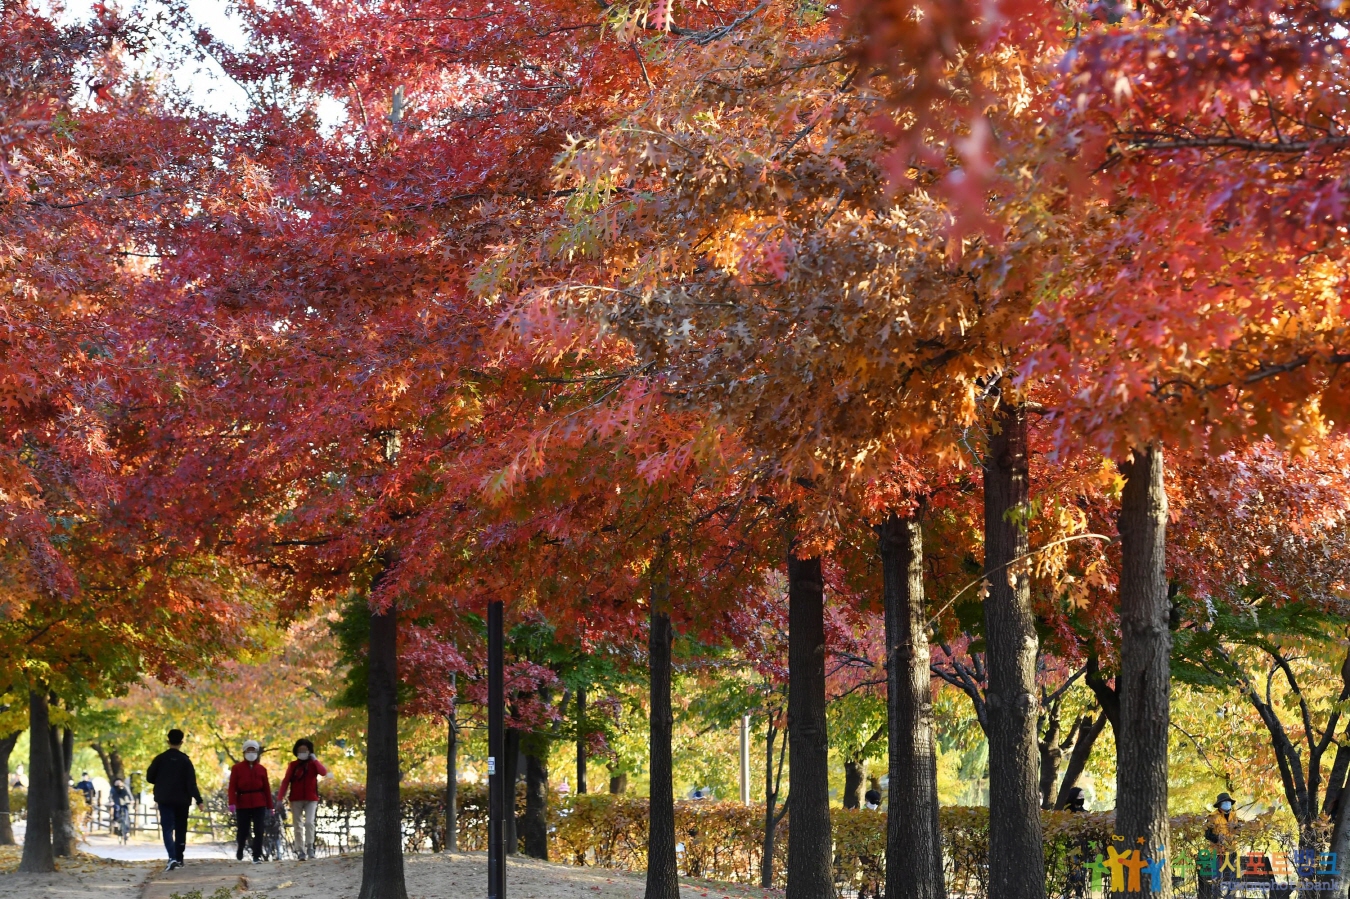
492,765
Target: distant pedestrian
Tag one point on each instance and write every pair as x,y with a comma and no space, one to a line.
872,799
302,776
86,786
175,783
249,796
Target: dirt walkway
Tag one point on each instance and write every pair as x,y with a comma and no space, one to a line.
206,876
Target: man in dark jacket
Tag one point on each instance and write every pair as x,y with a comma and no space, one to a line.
175,783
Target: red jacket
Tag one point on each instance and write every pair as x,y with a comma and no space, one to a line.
303,778
249,787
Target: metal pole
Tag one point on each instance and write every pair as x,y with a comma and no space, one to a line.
496,756
745,760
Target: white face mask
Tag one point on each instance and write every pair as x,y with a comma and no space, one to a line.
251,756
1226,806
303,755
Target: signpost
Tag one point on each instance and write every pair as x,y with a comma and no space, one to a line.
497,789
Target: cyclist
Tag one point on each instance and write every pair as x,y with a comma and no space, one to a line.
119,797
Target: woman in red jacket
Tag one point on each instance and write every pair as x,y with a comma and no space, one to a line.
249,795
302,776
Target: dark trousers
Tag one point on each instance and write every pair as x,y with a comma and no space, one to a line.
173,820
250,818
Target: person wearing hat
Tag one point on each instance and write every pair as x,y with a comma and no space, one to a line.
302,776
872,800
1220,828
250,795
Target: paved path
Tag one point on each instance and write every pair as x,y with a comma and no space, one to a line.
207,876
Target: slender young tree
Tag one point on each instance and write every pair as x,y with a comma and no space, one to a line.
662,875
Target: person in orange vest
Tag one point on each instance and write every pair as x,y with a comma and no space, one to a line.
250,795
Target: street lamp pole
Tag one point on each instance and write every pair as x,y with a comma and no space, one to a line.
496,756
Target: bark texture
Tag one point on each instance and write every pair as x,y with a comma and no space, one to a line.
773,781
510,777
913,839
534,823
810,873
382,861
618,783
853,783
1010,635
663,880
37,844
65,839
6,825
1145,656
581,741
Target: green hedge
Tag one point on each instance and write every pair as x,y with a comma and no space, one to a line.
722,840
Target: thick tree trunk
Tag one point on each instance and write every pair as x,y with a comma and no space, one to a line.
618,783
1144,684
810,873
534,823
511,776
1340,844
37,842
1336,780
913,839
581,741
1089,729
382,861
451,784
853,783
6,825
663,879
1010,635
65,839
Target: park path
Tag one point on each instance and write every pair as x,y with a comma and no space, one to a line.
207,876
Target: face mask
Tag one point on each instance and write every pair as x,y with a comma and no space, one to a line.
251,756
1226,806
302,755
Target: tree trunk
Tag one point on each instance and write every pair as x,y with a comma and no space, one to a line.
1010,635
510,775
618,783
382,861
113,766
65,839
581,741
772,781
6,825
1336,780
534,823
1340,844
663,879
853,783
451,783
810,873
1144,683
1089,729
37,842
913,839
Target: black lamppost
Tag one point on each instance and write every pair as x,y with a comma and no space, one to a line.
497,787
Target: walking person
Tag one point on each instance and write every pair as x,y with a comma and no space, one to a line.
302,776
175,782
249,795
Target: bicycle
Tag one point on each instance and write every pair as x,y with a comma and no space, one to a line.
275,846
122,821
